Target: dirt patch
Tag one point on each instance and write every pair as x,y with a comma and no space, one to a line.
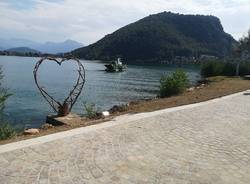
212,88
215,87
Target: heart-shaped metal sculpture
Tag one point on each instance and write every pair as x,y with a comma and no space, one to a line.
65,107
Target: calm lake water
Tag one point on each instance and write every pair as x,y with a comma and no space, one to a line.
26,107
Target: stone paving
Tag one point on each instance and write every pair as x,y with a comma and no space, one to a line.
202,144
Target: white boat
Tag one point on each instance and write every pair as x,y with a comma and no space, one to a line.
115,66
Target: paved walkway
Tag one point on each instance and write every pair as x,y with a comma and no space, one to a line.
199,144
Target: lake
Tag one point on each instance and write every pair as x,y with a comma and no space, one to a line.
26,108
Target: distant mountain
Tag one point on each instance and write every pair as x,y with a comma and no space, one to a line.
162,36
60,47
22,50
48,47
16,42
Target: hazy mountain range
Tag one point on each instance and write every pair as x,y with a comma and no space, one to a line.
15,44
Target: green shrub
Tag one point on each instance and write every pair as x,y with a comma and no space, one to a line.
229,69
91,111
212,68
244,68
119,108
6,131
221,68
173,84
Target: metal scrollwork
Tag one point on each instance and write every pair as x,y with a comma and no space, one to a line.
65,107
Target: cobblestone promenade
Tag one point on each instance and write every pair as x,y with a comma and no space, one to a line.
207,143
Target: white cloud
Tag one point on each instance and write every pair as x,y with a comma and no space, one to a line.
89,20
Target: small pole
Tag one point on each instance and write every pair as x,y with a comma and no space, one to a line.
238,68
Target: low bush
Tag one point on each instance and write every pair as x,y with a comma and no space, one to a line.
91,111
244,68
216,68
6,131
221,68
173,84
119,108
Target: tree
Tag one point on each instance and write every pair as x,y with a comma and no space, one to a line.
244,42
3,94
242,51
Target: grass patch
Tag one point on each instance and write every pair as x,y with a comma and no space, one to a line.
6,131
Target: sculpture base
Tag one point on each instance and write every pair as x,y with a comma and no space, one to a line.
65,120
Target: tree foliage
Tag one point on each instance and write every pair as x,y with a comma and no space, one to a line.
244,42
221,68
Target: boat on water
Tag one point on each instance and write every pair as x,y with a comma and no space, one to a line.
116,66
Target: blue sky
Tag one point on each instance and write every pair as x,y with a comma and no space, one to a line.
89,20
18,5
27,4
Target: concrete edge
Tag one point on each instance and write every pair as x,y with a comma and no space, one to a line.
116,121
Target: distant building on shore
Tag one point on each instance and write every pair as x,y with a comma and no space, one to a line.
205,57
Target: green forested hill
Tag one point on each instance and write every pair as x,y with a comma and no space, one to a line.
162,37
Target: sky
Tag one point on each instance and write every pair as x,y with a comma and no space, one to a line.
87,21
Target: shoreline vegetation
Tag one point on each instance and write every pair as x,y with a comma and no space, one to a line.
210,88
6,130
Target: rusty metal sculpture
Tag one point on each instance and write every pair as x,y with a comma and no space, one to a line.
65,107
